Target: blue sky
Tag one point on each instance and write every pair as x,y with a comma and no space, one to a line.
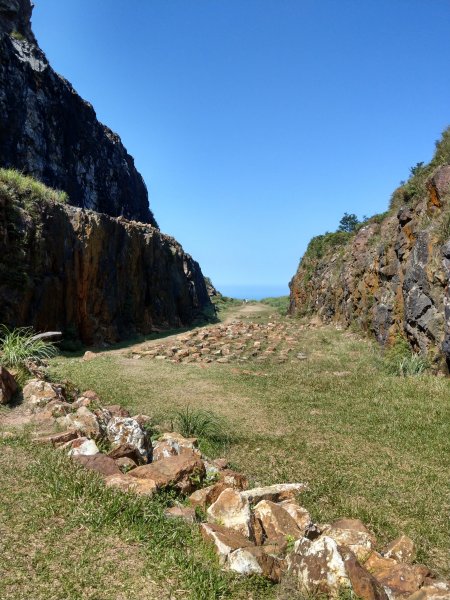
257,123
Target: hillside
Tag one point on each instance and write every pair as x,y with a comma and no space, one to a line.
390,277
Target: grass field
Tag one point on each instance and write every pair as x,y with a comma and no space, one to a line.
370,444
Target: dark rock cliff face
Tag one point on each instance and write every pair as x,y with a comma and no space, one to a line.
48,131
392,276
98,277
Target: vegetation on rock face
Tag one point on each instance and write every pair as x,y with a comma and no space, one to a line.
27,189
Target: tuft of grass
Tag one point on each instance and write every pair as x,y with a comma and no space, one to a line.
203,424
18,347
17,35
12,181
412,365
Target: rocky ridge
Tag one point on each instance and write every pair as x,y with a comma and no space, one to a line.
48,131
258,531
92,276
391,276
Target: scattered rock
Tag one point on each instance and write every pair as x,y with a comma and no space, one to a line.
38,393
100,463
277,523
401,580
8,386
364,585
274,493
117,411
125,430
300,515
125,483
84,421
432,590
256,561
181,512
57,439
225,540
401,549
125,464
83,447
233,479
183,471
127,451
353,534
204,497
232,510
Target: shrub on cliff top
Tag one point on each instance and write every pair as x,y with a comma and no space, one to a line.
28,188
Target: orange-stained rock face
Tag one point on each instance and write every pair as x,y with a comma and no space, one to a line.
98,277
390,278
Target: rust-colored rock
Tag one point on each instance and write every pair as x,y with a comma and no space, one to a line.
118,411
256,561
125,483
276,521
182,471
100,463
231,510
233,479
8,386
401,549
400,580
126,451
300,515
185,513
57,439
353,534
274,493
204,497
38,393
364,585
224,540
432,590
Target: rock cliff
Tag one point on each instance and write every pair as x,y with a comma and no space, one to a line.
95,277
49,132
391,277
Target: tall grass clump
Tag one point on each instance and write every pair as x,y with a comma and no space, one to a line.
25,186
19,347
208,427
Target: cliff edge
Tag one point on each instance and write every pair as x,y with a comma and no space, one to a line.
390,277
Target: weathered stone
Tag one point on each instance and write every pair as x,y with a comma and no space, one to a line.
203,497
231,510
353,534
125,464
276,521
364,585
164,450
319,566
182,471
233,479
300,515
84,421
127,451
57,439
179,441
125,430
125,483
82,446
181,512
220,463
401,549
8,386
100,463
256,561
432,590
117,411
38,393
274,493
401,580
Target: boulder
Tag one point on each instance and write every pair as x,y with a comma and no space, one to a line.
274,493
232,510
256,561
183,471
8,386
127,451
400,580
204,497
185,513
300,515
224,540
82,447
125,430
125,483
100,463
401,549
84,421
319,567
38,393
276,522
432,590
353,534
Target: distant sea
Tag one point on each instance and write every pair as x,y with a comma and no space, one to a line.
253,292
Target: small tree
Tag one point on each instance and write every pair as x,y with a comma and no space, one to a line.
348,223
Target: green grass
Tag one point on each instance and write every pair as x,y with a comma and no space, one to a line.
371,445
280,303
19,346
14,183
64,535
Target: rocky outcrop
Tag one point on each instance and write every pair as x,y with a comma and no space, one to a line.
94,277
391,276
49,132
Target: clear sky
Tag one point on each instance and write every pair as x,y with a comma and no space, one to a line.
257,123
